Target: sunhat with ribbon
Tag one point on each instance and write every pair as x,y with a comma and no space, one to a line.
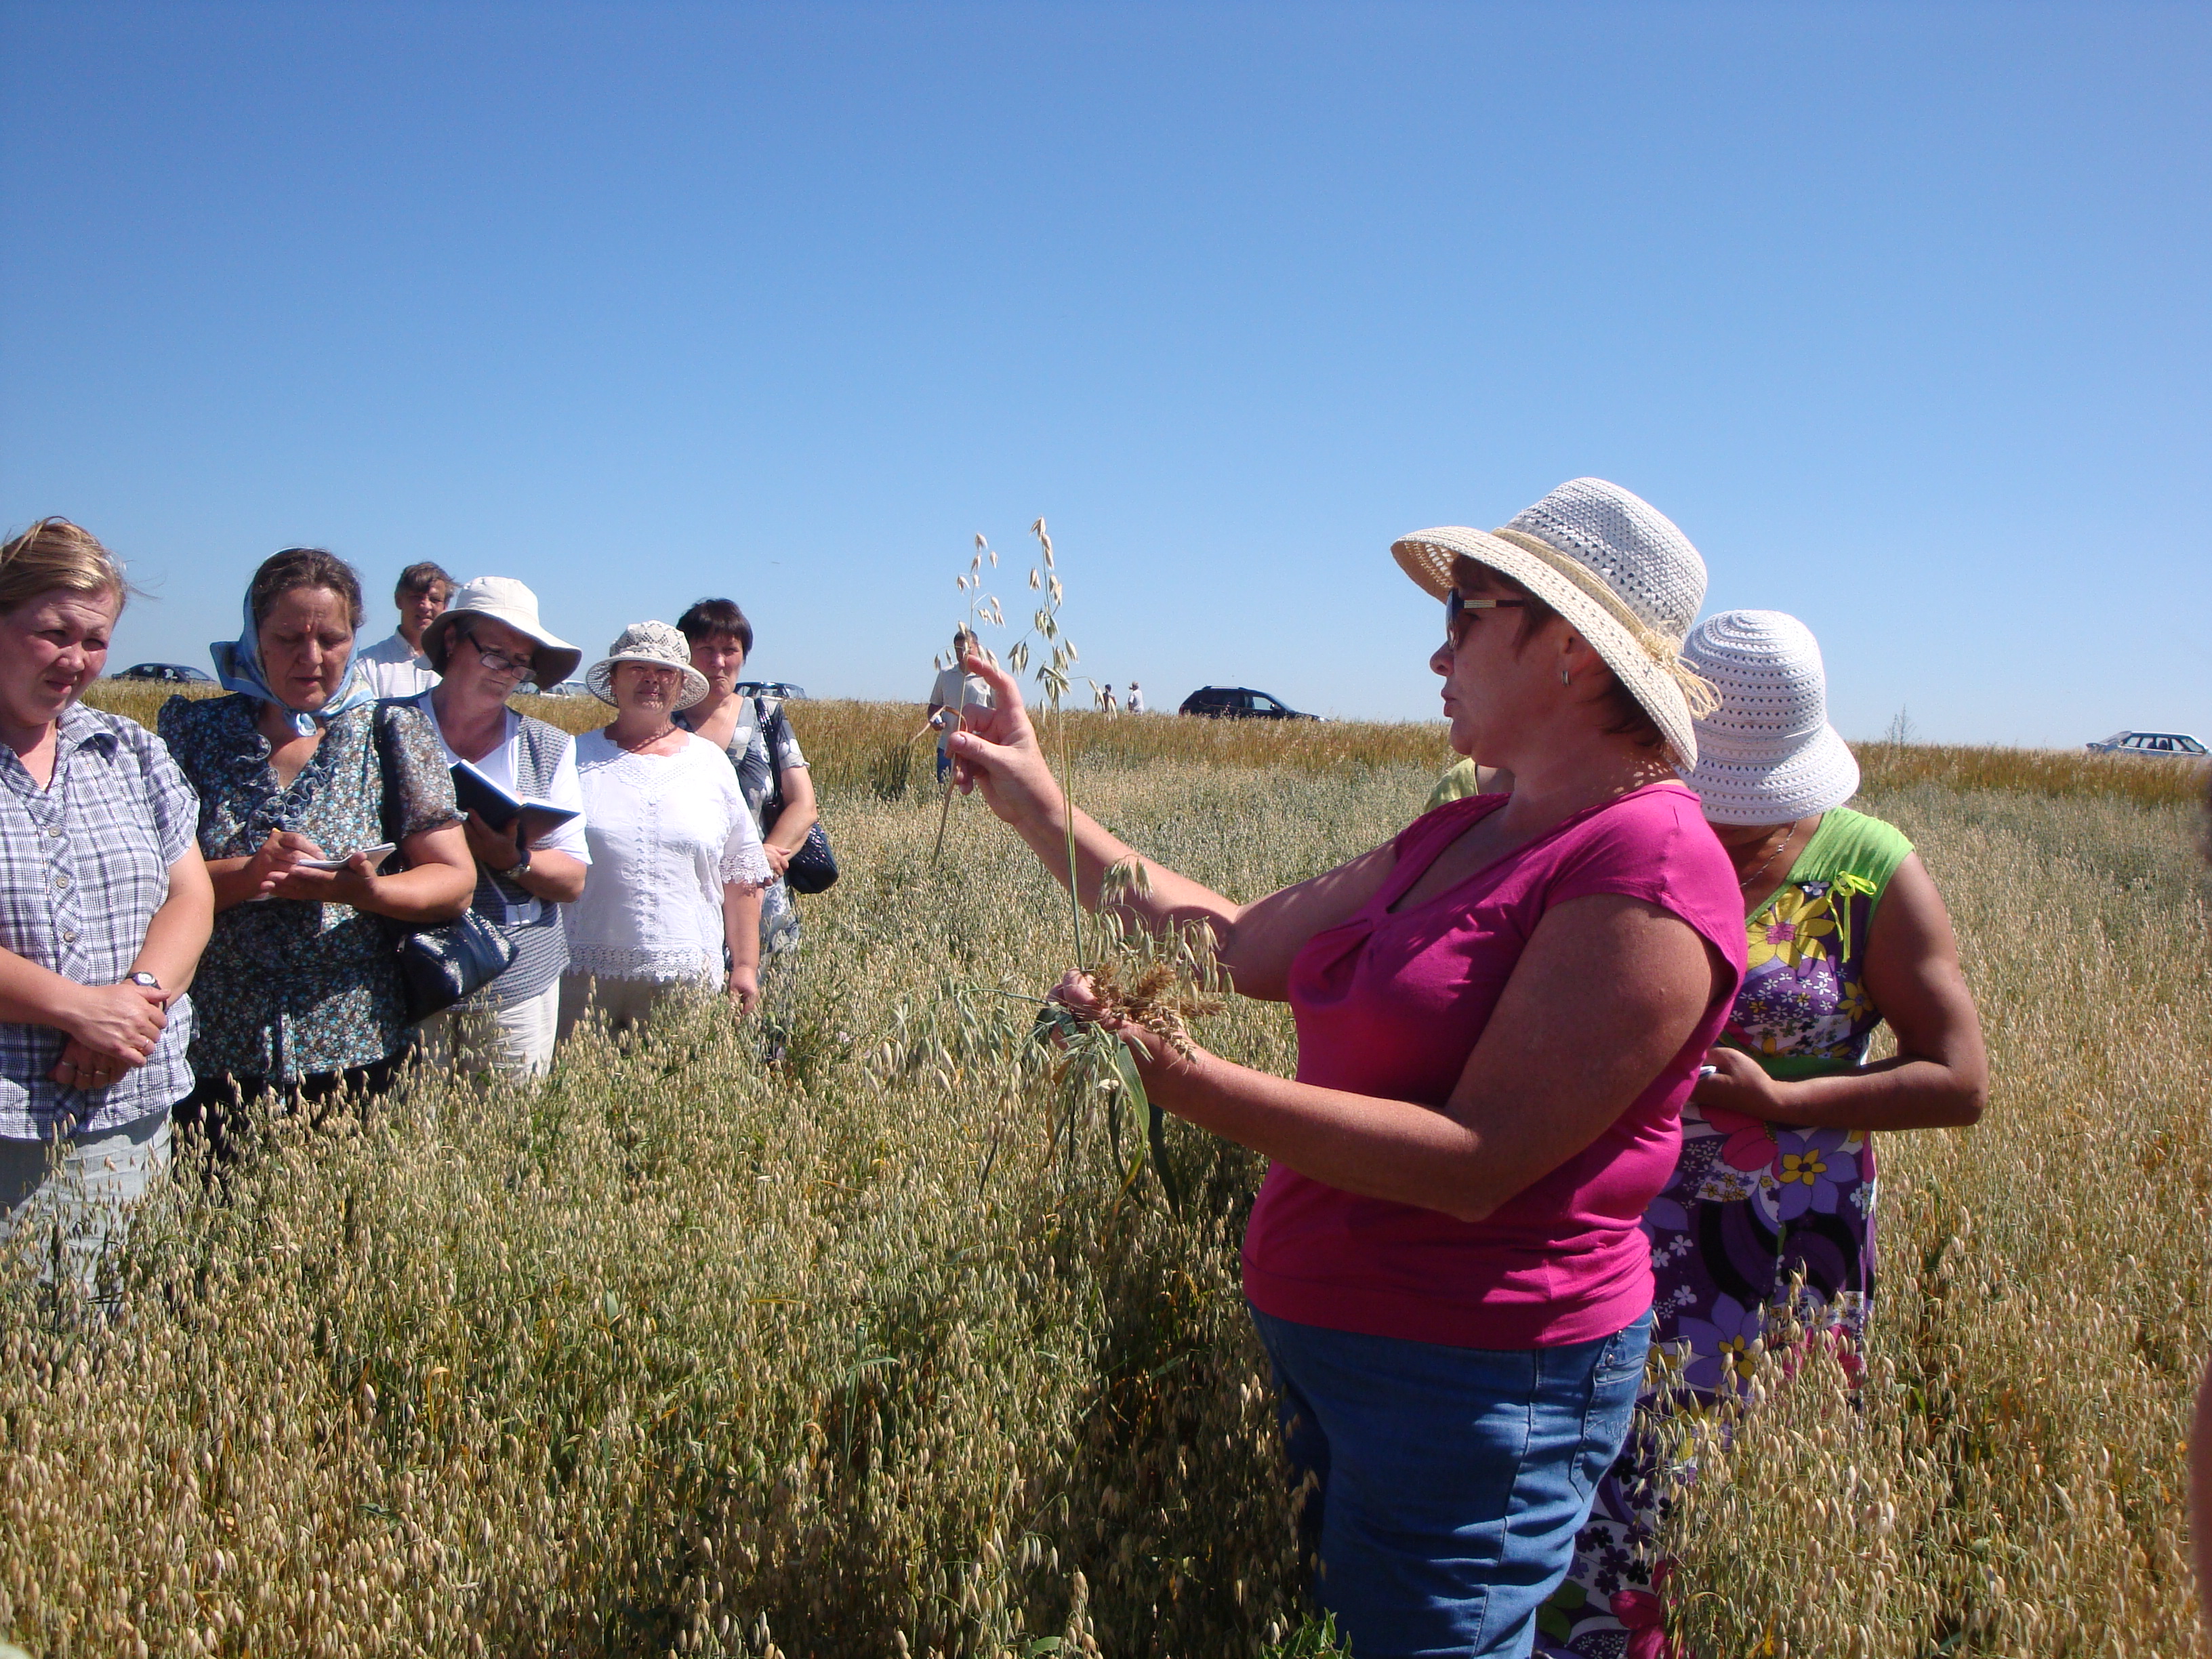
1619,572
503,599
1767,755
654,643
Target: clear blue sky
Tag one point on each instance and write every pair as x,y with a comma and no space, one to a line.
1900,311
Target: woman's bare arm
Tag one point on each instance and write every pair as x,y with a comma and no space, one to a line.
1605,994
1940,1076
796,785
435,889
997,753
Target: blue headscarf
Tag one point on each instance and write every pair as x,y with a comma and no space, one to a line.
237,667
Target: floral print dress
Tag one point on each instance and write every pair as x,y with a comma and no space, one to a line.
288,989
1751,1209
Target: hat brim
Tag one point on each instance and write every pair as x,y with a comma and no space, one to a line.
600,680
553,661
1819,775
1427,556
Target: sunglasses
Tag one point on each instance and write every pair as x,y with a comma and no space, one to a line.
1458,606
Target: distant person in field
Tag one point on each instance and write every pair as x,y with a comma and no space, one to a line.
301,995
399,667
1775,1183
1107,703
1136,698
955,691
673,904
1499,1014
755,734
483,646
105,908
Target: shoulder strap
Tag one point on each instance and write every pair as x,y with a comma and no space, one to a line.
379,724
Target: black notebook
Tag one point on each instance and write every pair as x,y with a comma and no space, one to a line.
478,793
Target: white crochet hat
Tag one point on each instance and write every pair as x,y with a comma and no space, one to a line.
653,642
1611,563
1767,755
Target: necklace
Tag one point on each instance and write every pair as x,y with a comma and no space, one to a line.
1747,882
643,743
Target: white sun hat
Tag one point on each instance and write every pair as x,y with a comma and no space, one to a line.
503,599
1767,755
1616,567
654,643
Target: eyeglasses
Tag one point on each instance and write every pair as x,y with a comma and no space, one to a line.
498,661
1457,606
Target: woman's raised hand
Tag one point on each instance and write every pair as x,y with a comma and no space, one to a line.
997,751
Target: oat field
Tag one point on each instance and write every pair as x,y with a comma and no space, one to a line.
680,1353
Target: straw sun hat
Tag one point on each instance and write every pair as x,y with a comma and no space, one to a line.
1767,755
653,642
1619,572
503,599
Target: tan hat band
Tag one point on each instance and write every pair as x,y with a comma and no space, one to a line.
1697,691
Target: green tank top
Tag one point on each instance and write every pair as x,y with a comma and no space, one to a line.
1803,1010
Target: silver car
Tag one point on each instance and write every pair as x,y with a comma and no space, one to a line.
2158,745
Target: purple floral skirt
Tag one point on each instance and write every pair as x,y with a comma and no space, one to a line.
1751,1209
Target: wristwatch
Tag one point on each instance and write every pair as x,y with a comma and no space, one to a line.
513,872
142,977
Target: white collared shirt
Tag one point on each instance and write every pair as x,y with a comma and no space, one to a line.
396,669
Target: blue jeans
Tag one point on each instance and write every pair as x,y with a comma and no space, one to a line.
1452,1481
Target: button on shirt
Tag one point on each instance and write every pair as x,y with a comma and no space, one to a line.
84,864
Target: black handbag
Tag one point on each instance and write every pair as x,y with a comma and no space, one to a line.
442,965
813,867
443,962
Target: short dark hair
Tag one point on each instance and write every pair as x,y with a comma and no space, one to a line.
304,567
707,617
1630,718
422,578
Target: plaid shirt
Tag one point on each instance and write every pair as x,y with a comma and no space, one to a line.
84,864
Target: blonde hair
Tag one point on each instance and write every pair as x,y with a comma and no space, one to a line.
55,553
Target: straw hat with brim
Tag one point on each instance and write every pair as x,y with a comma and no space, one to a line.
503,599
1612,564
653,642
1767,755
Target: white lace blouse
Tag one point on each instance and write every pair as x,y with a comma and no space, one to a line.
667,833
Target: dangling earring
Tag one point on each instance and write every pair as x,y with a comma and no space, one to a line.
1564,679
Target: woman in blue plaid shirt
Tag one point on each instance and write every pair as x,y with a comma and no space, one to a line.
105,907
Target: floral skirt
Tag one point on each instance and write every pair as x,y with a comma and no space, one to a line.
1752,1209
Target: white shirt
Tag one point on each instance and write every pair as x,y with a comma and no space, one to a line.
397,669
563,791
946,694
1136,700
667,833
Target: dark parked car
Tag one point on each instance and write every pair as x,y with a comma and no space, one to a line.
1239,702
769,688
165,673
2164,745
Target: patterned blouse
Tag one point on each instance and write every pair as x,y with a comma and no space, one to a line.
290,987
84,864
763,749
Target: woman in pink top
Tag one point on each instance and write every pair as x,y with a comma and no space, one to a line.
1499,1013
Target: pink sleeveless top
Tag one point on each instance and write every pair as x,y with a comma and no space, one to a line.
1391,1006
